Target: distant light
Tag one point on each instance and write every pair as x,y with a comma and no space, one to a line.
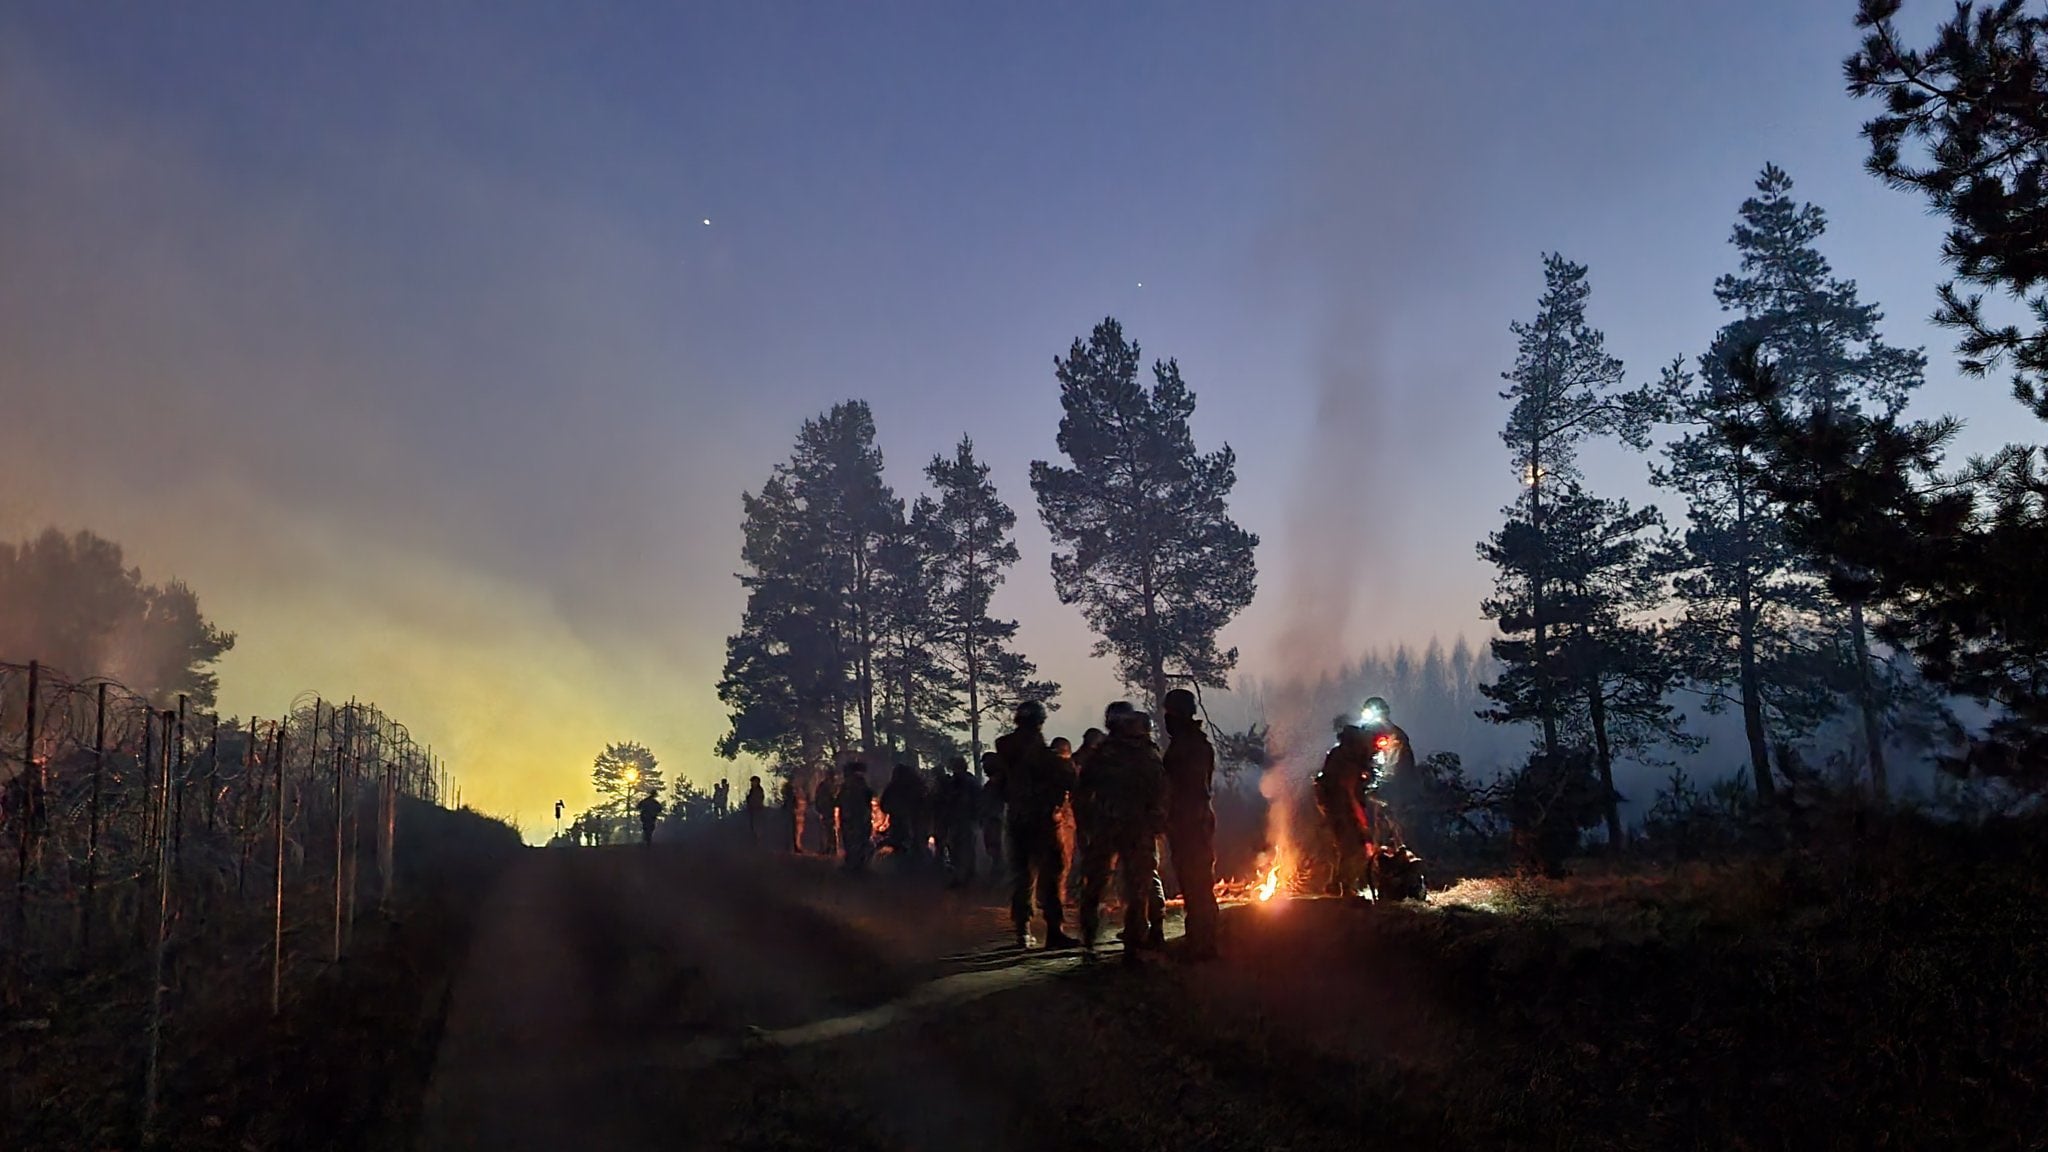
707,221
1141,283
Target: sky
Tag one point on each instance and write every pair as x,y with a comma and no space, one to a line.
435,343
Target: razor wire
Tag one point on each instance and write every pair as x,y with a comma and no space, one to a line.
142,832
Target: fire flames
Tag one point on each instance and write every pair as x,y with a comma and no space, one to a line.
1270,883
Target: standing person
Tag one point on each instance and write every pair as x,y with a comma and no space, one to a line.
963,829
825,811
856,816
1190,764
1090,741
1340,797
757,806
650,814
792,798
1035,783
1126,803
991,813
721,798
1063,818
903,802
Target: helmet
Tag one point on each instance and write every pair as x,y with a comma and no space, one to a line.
1179,702
1031,714
1375,710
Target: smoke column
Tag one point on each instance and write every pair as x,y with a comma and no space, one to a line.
1330,570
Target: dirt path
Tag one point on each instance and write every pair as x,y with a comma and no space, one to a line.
685,998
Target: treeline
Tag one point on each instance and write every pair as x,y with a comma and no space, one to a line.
1831,564
869,625
74,603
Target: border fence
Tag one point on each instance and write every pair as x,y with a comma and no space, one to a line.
150,840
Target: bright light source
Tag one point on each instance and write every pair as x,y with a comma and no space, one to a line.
707,221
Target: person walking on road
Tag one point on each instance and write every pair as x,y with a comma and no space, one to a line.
1126,802
856,816
650,814
1190,764
757,805
1035,783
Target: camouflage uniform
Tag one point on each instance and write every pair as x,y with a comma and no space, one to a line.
824,810
1340,795
1190,765
1035,782
1125,799
856,819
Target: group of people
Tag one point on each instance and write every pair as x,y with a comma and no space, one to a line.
1045,807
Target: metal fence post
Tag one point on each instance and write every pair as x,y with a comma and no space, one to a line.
178,790
25,822
277,752
151,1077
92,839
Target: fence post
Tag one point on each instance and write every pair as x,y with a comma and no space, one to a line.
277,907
348,735
92,838
361,742
24,825
151,1077
387,851
178,790
213,773
244,821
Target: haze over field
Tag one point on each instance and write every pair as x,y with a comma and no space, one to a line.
436,357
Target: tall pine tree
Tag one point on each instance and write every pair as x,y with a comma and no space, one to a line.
1963,562
1609,674
964,530
1824,346
1565,388
1139,519
803,668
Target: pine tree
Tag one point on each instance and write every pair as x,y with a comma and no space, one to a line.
1751,633
919,692
1609,674
1143,538
1823,344
966,533
623,773
804,662
1965,565
1565,388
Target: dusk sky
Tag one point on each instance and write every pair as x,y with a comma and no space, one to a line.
399,332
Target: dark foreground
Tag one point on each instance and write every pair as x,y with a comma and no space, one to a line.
1890,992
622,999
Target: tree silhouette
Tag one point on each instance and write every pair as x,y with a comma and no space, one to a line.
72,603
1142,533
965,533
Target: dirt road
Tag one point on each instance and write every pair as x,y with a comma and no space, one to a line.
700,998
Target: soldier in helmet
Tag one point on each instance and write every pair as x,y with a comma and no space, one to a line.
1190,765
1125,797
1392,754
1369,748
1035,782
1340,797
